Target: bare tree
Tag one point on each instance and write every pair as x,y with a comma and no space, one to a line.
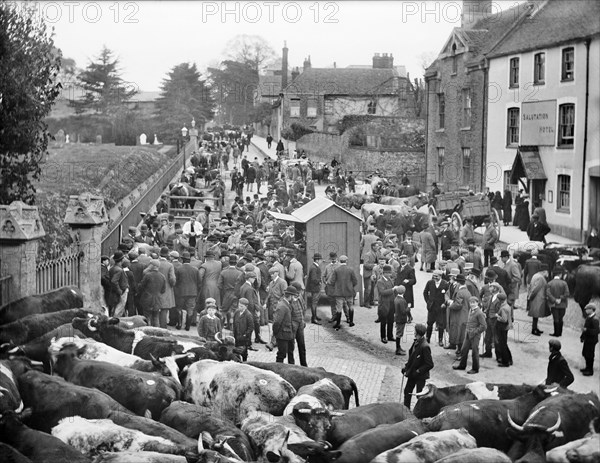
426,58
252,50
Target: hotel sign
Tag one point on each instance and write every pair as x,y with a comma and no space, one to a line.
538,123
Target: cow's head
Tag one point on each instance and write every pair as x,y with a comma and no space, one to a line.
68,354
427,402
315,422
88,325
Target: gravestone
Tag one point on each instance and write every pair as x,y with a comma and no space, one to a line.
98,139
156,142
60,137
143,140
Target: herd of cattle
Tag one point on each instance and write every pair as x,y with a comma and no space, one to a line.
76,386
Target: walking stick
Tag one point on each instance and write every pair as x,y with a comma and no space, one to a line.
401,388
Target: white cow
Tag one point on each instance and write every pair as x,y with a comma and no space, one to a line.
236,390
95,350
428,447
88,436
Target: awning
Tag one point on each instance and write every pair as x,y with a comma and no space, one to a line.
528,164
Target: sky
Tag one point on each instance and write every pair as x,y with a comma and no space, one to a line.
151,37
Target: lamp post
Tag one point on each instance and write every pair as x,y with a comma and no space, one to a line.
184,132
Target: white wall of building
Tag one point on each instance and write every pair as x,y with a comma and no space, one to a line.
556,160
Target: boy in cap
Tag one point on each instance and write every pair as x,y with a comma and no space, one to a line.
558,369
418,365
209,324
402,316
589,338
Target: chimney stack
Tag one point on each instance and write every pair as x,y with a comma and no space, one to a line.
295,73
383,62
284,66
307,64
473,11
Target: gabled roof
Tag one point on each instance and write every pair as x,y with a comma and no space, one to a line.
310,210
555,22
483,35
345,81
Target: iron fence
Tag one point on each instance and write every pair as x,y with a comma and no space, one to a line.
52,274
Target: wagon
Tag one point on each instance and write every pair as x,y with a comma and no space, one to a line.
459,205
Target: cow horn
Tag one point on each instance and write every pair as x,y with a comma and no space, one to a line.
556,425
550,389
304,410
512,423
424,392
91,324
218,338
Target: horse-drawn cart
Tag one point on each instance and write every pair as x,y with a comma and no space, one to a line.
459,205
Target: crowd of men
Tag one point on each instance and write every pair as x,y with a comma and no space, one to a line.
242,271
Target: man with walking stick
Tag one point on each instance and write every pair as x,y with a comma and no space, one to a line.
419,363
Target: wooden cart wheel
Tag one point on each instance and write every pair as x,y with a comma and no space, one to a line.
496,221
456,222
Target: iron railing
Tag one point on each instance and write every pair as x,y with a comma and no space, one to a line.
52,274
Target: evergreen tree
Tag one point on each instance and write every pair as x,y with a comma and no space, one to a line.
105,90
234,85
28,88
184,96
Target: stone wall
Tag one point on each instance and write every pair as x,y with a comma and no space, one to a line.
322,147
390,145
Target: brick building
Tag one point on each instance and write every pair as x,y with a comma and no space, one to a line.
457,96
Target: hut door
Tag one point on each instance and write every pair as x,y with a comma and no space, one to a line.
334,238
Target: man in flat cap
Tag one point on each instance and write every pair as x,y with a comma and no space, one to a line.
187,286
248,291
418,365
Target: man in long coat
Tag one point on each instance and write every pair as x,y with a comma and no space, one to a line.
248,291
227,283
209,277
435,299
428,249
186,289
329,268
536,299
385,309
458,312
283,330
153,284
407,278
344,281
167,299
